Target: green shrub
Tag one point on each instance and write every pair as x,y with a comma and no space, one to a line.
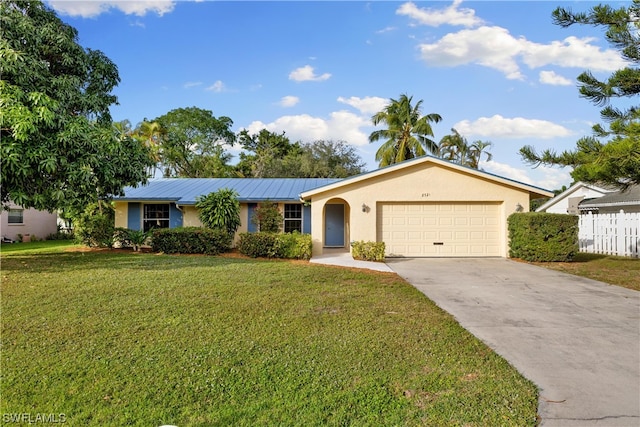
267,217
273,245
131,238
96,225
258,245
60,234
368,251
190,240
220,210
543,237
295,245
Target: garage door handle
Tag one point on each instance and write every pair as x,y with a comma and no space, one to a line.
438,243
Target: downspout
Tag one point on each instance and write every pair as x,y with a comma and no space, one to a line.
181,212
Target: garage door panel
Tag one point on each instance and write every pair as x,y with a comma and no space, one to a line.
458,229
429,221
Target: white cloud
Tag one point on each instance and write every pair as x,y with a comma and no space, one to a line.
506,171
572,52
551,78
307,73
451,15
386,30
288,101
553,178
366,105
545,177
341,125
217,87
492,47
92,8
517,127
496,48
189,85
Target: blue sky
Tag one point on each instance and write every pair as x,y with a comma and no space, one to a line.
496,71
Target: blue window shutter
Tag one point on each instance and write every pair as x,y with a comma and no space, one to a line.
134,220
306,219
251,227
175,216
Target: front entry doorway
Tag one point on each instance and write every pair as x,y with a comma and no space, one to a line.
334,226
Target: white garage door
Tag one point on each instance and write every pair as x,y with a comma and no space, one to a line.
439,229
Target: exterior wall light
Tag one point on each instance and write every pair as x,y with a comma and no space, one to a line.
365,208
519,207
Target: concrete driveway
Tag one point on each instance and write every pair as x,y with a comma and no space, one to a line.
577,339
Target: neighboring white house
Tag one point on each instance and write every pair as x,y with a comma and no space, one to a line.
567,201
27,223
627,201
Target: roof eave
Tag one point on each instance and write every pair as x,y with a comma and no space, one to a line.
427,159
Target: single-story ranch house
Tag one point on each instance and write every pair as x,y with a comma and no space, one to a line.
421,207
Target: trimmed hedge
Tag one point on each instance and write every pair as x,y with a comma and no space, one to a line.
368,251
190,240
273,245
543,237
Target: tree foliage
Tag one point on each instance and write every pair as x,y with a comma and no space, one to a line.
267,217
271,155
220,210
455,148
192,143
616,161
329,159
267,154
407,134
94,226
59,148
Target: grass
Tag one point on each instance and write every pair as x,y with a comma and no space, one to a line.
112,338
41,246
620,271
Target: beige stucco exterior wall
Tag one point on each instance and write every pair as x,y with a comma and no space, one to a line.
122,218
189,217
34,223
419,183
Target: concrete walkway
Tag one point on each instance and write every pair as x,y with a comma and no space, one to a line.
577,339
344,259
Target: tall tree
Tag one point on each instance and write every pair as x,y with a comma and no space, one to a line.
407,133
272,155
616,161
264,154
59,148
327,159
457,149
151,134
193,143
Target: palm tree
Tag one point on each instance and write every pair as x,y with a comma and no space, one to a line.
407,134
476,150
456,149
151,134
453,147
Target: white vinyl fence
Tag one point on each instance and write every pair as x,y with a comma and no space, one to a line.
610,234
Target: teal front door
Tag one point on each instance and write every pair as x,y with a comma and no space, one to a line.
334,226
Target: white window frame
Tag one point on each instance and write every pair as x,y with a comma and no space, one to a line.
288,219
14,211
146,219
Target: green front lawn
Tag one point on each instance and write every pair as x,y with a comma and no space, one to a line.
113,338
621,271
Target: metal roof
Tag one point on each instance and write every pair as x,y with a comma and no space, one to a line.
185,191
